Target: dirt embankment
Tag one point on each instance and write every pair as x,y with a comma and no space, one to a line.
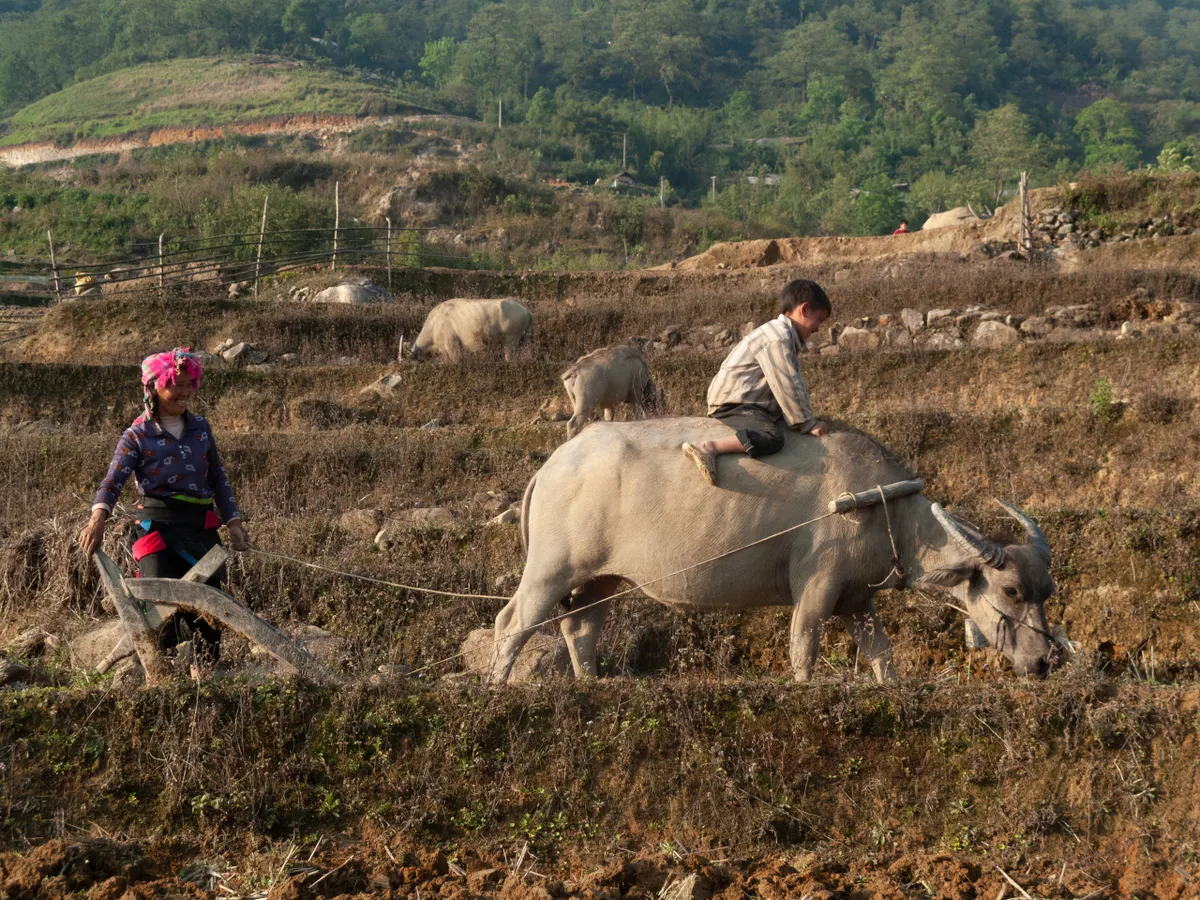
1002,229
321,125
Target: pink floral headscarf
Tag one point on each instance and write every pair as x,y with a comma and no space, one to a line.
160,369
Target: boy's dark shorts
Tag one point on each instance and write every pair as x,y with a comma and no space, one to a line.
761,433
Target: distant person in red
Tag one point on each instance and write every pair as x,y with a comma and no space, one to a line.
903,229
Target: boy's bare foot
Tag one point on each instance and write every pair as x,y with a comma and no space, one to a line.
705,462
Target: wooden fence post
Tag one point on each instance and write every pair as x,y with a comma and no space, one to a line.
162,280
262,231
389,251
54,266
1026,222
337,218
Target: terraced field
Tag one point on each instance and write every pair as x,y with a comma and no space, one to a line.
697,756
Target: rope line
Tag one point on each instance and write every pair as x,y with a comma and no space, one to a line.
897,566
395,584
573,612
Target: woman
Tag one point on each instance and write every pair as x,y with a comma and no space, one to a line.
185,495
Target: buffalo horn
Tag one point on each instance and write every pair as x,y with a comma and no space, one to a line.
973,544
1036,537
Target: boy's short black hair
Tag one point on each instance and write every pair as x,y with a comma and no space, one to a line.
904,221
801,291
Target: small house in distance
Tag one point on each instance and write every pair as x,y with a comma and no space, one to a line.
620,180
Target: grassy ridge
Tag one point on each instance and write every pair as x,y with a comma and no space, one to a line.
195,92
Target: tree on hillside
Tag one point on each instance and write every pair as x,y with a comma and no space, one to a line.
816,49
1107,134
438,61
658,41
1001,148
878,208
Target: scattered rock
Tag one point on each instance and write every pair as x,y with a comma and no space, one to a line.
244,354
898,338
436,516
345,361
912,319
543,656
746,328
432,424
831,351
993,335
1037,326
944,340
207,360
937,317
384,387
237,289
359,292
224,345
671,335
362,523
508,517
858,339
289,359
94,646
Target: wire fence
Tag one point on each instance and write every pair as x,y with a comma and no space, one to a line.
244,258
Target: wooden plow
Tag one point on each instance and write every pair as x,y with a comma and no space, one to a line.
144,604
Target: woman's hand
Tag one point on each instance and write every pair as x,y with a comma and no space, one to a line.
237,535
92,535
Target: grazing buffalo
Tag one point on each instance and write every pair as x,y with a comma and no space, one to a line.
457,326
621,505
604,378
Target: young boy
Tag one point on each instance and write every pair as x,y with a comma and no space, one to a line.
759,386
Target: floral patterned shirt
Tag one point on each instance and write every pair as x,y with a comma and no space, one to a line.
165,466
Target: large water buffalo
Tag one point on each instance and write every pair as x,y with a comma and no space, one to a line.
621,505
604,378
455,326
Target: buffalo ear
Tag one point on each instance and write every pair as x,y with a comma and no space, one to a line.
949,576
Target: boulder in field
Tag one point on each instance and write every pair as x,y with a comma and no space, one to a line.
543,656
913,319
402,522
359,292
1037,326
243,354
385,386
858,339
993,335
936,318
362,523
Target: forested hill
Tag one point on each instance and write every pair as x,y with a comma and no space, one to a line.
951,96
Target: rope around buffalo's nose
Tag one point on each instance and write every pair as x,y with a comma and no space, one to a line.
531,628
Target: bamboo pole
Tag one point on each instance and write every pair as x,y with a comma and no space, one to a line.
389,257
54,266
262,231
162,281
849,501
337,219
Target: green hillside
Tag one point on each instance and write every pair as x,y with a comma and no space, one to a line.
196,92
